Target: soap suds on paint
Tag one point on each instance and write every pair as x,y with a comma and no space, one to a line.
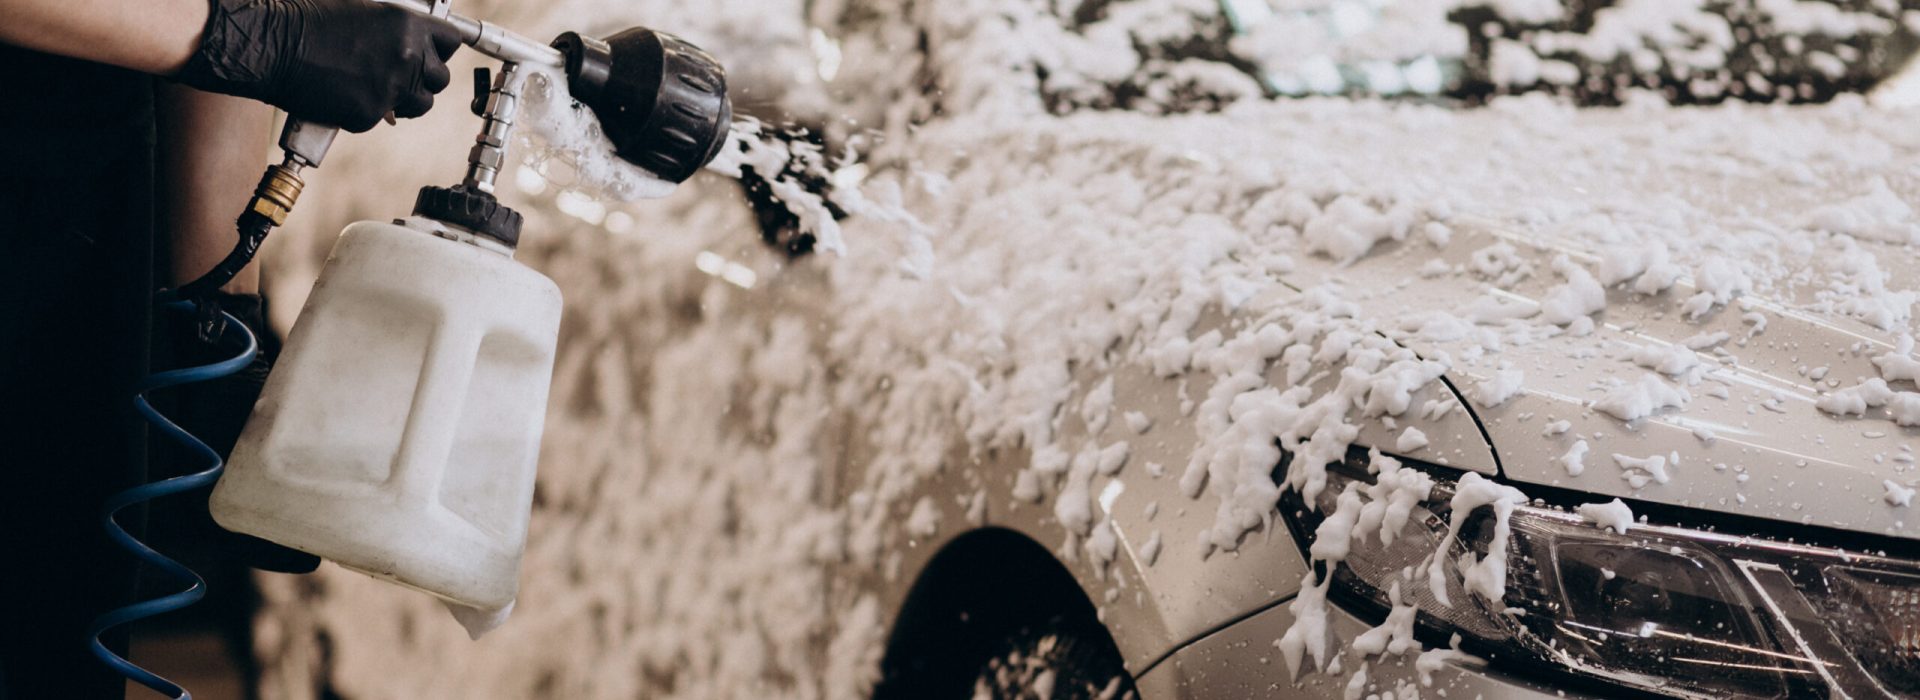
1897,495
1640,471
1486,576
1641,398
1575,459
1411,440
1499,388
1612,515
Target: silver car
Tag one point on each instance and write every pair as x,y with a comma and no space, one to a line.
1156,384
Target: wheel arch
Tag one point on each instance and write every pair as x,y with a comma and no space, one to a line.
982,586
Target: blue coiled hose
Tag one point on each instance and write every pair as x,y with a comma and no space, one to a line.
196,587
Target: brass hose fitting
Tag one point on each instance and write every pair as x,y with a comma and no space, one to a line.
279,189
273,200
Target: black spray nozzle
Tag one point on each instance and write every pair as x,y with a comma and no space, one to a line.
662,101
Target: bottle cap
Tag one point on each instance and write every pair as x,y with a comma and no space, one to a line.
478,212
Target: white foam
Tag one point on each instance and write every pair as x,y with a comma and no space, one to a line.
1639,471
1410,440
1307,636
1899,365
1498,388
1433,660
563,140
1897,495
1639,399
1486,576
1395,635
1613,515
1670,360
1575,458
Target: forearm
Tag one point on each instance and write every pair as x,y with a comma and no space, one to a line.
344,63
213,149
151,36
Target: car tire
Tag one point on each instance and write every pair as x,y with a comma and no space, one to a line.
1058,659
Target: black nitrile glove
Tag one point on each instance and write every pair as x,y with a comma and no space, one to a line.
344,63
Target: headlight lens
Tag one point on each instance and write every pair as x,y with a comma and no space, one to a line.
1668,610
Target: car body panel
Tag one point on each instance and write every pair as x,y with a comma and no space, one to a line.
1763,451
1217,613
1150,605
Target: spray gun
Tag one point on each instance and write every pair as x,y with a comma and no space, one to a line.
399,433
661,100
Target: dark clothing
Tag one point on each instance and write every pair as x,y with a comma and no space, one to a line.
76,270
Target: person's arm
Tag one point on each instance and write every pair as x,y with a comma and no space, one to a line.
150,36
212,149
344,63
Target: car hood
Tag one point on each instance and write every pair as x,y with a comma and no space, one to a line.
1747,439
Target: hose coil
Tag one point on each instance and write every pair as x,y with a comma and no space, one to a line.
196,587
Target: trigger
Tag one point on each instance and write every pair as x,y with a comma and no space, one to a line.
482,85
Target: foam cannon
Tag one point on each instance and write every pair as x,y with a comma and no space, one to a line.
399,433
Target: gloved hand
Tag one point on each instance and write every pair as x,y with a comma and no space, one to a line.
344,63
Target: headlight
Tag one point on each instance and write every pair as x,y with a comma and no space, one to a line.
1662,609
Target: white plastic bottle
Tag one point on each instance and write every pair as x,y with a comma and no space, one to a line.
399,432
